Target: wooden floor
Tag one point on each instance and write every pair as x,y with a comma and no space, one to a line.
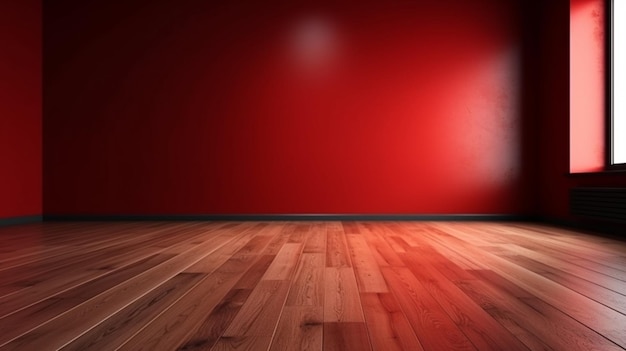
310,286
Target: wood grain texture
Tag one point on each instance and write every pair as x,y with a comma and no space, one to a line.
217,321
245,343
336,248
597,316
502,300
284,263
300,328
483,331
112,332
307,288
316,239
42,279
310,286
368,274
388,327
60,330
433,326
51,307
341,296
346,336
175,325
260,314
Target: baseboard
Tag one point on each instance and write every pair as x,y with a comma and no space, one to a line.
294,217
20,220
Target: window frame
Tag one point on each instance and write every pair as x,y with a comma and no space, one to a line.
609,87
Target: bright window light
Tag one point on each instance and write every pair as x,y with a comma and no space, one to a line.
619,82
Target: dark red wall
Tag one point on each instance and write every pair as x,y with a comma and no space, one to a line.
554,127
20,108
199,107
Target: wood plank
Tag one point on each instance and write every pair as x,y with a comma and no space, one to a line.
67,276
346,336
351,227
501,283
569,242
387,325
211,328
66,327
433,327
316,239
20,322
368,274
534,327
285,262
463,262
209,332
567,266
336,249
310,285
388,236
281,233
483,331
597,316
307,288
255,244
300,233
244,343
232,248
252,277
383,253
411,235
112,332
24,253
611,298
179,322
71,254
342,302
39,290
47,269
605,264
300,328
560,321
260,314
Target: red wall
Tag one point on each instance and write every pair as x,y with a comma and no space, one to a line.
194,107
20,108
554,126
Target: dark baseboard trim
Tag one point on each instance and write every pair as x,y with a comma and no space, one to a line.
20,220
294,217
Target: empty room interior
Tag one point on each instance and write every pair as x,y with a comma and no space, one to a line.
312,175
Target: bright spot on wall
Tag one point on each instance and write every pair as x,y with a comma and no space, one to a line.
485,120
619,82
314,42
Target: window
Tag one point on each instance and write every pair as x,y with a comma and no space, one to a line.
618,84
589,144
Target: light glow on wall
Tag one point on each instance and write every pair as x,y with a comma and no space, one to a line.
487,114
314,43
619,82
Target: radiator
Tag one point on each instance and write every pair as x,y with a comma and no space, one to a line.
603,204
